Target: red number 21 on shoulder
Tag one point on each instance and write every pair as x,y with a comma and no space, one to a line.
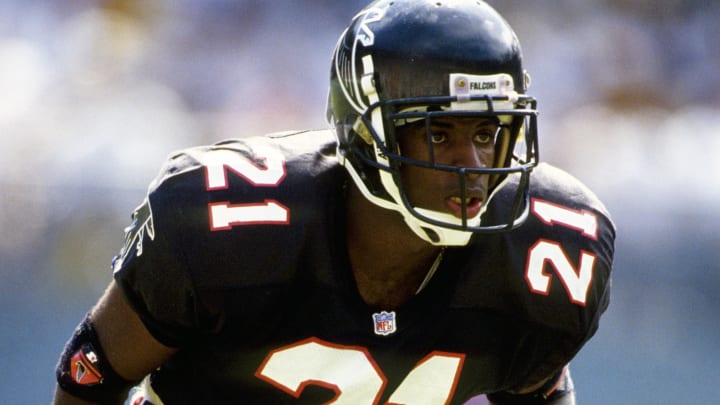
576,281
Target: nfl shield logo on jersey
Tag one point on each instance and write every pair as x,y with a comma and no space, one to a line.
385,323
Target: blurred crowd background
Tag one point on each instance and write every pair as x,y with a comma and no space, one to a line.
95,94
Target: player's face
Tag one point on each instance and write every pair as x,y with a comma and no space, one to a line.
467,142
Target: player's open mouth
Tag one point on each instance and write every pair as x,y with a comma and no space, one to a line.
472,204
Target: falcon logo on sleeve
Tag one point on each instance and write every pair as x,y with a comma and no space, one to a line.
142,224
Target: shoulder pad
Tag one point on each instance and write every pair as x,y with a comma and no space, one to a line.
555,269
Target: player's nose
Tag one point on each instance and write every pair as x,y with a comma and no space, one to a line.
467,153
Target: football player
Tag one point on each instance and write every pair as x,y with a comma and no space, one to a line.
417,253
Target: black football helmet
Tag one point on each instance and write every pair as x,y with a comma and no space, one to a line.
403,61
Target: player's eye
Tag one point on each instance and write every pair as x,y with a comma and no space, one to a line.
486,135
438,137
483,138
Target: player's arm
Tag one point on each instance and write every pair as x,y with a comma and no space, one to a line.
124,352
556,390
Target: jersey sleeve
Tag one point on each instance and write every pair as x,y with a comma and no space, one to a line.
570,241
152,267
566,251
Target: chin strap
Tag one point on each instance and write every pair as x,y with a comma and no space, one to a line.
431,272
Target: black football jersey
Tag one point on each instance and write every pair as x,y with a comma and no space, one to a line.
238,257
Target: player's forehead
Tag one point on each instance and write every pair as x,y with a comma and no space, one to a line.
452,122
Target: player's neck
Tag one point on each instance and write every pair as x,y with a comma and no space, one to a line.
388,260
